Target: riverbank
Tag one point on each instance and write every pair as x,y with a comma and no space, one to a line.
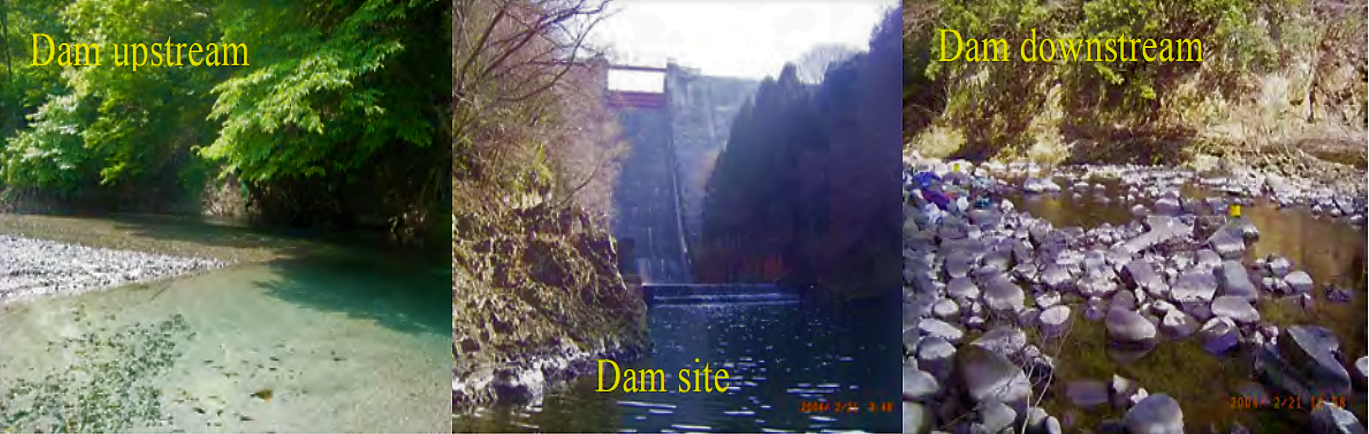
1126,298
536,297
37,268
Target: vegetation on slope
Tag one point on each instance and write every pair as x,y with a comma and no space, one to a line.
800,192
533,164
1275,76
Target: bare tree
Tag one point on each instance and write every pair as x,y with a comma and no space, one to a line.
519,92
812,64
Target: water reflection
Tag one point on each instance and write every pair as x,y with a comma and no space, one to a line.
777,355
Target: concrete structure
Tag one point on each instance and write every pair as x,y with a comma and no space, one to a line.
673,136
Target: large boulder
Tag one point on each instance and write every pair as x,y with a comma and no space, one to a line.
937,356
1194,286
941,329
1126,326
986,377
919,385
1156,414
1237,308
1227,243
1139,274
1177,325
1328,418
1002,295
1299,282
1308,356
962,288
1235,281
1219,335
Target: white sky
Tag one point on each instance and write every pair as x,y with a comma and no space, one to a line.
733,38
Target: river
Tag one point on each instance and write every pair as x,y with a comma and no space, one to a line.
1332,252
778,355
336,339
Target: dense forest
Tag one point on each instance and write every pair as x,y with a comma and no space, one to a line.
1276,77
337,120
800,192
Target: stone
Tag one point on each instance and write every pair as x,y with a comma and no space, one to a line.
997,416
1178,325
1219,335
1097,286
962,288
919,385
1156,414
1054,320
987,376
1047,299
936,355
1087,393
1236,308
1299,282
1003,340
1167,206
1057,277
1311,350
1278,265
1128,326
1002,295
1139,274
938,328
1227,244
1123,300
1207,258
1036,419
946,309
1330,418
916,418
1362,369
1234,281
1339,295
1194,286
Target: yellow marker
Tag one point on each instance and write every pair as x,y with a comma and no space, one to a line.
1235,210
955,167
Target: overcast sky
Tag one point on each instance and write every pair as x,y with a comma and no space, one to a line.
735,38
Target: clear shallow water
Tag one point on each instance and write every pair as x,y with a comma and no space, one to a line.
777,355
342,342
1332,252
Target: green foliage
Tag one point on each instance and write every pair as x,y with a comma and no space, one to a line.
332,94
313,109
998,104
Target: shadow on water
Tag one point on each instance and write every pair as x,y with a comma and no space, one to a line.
398,294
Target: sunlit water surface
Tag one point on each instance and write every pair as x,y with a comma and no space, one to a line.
334,343
777,355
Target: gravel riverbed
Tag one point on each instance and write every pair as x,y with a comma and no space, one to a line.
38,268
991,291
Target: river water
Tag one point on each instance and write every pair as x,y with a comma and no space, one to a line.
778,356
338,341
1331,251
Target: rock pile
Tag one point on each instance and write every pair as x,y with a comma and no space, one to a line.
973,264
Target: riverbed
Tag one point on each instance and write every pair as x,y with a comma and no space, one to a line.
778,355
324,338
1102,258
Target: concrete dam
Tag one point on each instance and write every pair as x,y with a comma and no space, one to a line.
674,134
